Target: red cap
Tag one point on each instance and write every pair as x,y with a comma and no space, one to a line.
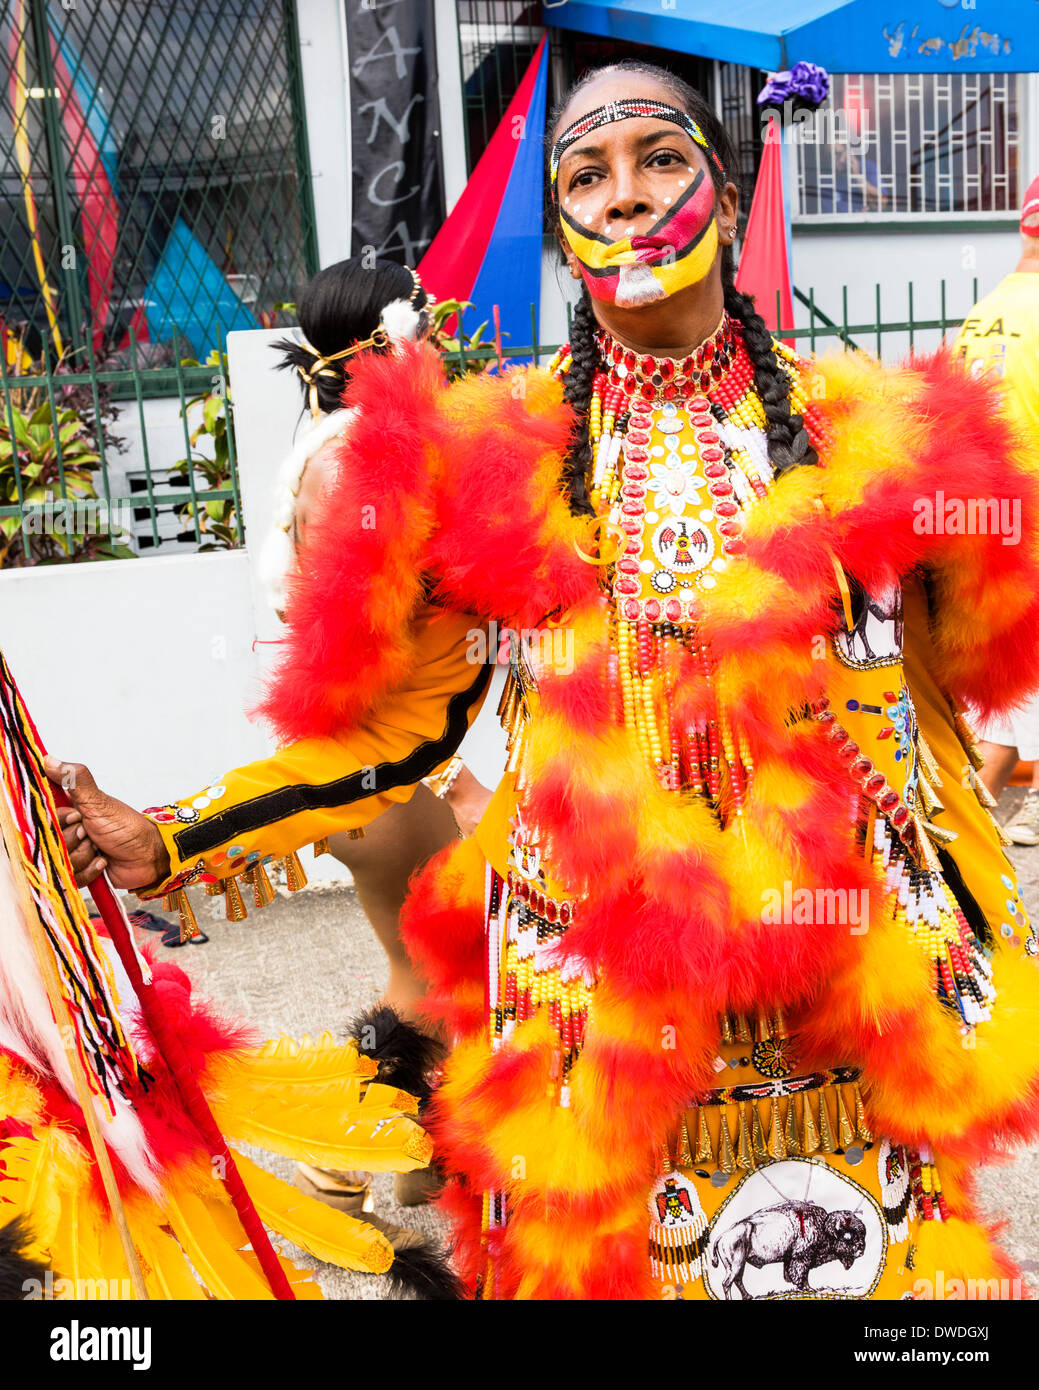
1030,210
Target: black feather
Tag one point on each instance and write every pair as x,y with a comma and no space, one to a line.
424,1273
404,1053
16,1268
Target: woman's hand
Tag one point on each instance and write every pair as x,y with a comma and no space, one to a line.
468,800
103,833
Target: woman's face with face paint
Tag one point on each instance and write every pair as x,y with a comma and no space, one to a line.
638,212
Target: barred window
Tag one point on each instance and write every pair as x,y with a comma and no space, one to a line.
497,38
912,143
152,173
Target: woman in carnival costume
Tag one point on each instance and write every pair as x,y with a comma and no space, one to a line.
737,972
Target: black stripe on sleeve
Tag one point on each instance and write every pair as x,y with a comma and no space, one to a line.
285,802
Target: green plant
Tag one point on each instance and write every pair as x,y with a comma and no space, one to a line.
58,524
29,454
217,517
452,348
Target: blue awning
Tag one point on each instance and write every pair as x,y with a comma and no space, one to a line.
840,35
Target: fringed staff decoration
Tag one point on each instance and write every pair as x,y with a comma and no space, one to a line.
86,1002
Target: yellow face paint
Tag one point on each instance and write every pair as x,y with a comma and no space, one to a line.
678,251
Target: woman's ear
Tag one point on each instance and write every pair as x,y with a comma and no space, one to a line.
728,205
568,254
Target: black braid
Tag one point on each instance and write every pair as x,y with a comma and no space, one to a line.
577,392
789,445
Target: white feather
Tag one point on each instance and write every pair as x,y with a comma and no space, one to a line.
401,321
278,553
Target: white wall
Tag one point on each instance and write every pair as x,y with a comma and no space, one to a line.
138,668
870,256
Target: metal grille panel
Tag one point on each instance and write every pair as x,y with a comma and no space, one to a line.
152,172
912,143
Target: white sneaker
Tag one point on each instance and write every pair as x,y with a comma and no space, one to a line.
1023,828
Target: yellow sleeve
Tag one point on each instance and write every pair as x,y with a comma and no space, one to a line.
320,786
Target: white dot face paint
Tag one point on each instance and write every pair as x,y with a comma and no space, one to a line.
577,206
629,231
588,218
681,183
566,202
667,202
690,169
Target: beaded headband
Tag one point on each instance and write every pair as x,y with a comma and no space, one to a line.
622,111
379,338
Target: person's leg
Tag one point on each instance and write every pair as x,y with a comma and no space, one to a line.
393,847
998,767
1023,825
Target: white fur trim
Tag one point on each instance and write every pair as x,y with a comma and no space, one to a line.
277,556
401,321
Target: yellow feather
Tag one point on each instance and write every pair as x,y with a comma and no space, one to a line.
33,1180
166,1271
304,1285
323,1232
76,1248
218,1262
304,1062
110,1256
345,1095
328,1136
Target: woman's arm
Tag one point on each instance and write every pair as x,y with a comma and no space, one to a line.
306,791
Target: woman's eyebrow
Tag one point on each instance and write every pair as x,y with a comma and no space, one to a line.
592,151
597,151
666,132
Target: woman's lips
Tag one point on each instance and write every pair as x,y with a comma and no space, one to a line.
651,248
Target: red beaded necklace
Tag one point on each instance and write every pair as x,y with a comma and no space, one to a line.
669,378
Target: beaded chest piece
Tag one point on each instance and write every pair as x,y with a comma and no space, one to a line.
679,453
679,457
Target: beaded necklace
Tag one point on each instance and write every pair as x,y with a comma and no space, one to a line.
679,456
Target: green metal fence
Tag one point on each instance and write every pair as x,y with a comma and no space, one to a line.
864,334
59,432
65,491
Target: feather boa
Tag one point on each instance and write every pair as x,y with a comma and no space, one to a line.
362,554
671,913
28,1030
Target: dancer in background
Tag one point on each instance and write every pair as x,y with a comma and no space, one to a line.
1000,339
390,793
738,976
348,309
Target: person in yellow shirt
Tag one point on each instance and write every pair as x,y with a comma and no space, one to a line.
1001,338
